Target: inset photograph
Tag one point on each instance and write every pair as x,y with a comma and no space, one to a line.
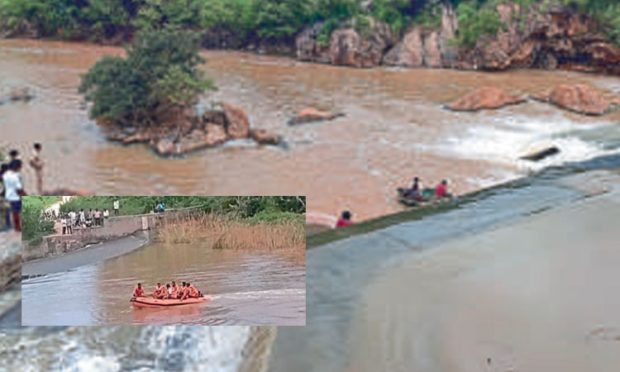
138,260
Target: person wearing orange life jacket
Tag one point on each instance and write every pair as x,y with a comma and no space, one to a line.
138,291
159,292
193,291
185,292
174,290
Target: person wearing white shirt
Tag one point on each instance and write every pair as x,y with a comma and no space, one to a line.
116,207
14,190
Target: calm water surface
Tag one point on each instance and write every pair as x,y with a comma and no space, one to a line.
245,287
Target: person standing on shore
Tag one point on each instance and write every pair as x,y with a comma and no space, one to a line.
5,203
36,162
117,205
344,220
13,155
14,190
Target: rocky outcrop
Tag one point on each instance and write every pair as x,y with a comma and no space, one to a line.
540,38
423,47
264,137
21,94
486,98
183,131
311,114
237,122
540,152
347,46
580,98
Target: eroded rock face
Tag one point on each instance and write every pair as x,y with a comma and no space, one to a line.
409,52
347,46
486,98
544,38
311,114
308,47
580,98
422,47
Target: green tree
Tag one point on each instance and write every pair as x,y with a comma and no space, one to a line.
161,72
33,223
474,22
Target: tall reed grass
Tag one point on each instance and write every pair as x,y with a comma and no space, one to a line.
219,232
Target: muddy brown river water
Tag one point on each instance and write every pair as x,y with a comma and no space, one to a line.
394,128
255,287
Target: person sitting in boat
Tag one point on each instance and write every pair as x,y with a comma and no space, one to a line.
193,291
185,291
174,290
138,291
160,292
344,220
415,192
180,290
168,291
441,190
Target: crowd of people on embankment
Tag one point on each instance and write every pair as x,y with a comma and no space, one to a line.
66,223
169,291
12,187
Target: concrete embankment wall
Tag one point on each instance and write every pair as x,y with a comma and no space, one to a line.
114,228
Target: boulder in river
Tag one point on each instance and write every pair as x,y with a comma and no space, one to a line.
540,152
264,137
580,98
486,98
21,94
311,114
238,124
182,130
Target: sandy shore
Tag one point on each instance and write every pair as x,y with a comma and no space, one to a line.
542,294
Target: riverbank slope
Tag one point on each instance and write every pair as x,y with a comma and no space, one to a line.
535,295
343,305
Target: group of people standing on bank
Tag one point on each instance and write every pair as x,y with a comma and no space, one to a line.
83,219
12,187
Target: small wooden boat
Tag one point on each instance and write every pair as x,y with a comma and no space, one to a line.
426,198
155,302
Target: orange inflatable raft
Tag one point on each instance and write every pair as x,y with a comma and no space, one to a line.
154,302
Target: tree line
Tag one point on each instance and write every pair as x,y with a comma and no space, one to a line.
271,21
